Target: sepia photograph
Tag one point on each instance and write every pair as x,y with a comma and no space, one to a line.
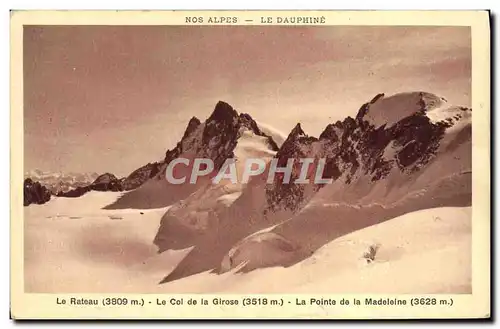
284,156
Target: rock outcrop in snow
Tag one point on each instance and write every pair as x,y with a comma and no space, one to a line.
34,192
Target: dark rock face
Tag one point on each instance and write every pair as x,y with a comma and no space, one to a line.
191,127
61,182
364,109
34,192
223,129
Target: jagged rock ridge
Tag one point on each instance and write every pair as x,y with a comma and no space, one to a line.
103,183
140,175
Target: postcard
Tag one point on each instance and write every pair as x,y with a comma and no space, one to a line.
250,165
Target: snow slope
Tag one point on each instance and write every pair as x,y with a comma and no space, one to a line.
72,245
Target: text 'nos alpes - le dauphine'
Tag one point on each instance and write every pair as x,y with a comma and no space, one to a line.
224,20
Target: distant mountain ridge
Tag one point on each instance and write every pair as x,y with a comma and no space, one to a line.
76,184
223,134
216,138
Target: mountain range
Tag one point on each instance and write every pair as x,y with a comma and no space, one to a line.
399,154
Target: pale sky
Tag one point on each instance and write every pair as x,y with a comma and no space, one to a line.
112,98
